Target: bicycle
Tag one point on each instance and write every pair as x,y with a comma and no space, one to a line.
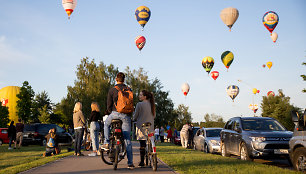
117,149
150,151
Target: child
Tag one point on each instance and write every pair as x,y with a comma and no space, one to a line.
51,146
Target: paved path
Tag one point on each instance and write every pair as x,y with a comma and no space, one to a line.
86,164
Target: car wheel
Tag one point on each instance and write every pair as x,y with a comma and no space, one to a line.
1,142
223,151
244,154
299,159
206,148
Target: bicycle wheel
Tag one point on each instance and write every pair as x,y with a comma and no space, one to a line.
148,150
105,156
115,163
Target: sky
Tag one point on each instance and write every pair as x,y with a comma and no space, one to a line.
40,45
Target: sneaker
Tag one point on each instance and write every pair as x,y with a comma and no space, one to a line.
141,164
92,154
105,147
10,148
131,166
80,154
98,153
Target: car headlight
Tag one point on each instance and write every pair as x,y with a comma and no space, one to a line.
215,142
258,139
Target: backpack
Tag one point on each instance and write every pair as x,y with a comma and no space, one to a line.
51,142
125,101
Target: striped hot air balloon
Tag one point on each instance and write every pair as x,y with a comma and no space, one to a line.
69,6
232,91
140,42
270,20
227,58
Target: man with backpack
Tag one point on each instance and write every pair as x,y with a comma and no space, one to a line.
120,106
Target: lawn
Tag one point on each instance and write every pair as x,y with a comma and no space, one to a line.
191,161
18,160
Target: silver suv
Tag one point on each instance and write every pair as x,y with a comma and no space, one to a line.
255,137
297,143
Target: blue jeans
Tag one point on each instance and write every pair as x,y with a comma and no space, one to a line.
78,139
126,128
94,134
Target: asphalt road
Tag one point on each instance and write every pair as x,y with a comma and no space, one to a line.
86,164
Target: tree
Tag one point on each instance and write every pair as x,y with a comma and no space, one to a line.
4,116
212,120
304,77
41,102
25,102
183,116
279,107
44,115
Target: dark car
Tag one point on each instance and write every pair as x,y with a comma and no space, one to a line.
4,136
207,140
255,137
35,134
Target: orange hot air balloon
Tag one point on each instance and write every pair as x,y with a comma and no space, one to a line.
8,98
269,64
69,6
270,93
214,74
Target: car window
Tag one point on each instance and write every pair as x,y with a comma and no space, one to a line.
262,124
213,133
29,127
237,124
4,131
202,132
229,124
59,129
198,132
44,128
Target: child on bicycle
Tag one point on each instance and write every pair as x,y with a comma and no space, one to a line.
144,112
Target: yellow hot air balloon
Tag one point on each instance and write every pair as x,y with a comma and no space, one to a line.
229,16
8,98
254,90
269,64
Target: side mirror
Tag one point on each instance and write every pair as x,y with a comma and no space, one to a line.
295,116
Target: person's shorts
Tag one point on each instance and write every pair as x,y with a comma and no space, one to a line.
19,136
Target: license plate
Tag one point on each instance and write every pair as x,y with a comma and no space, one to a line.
281,151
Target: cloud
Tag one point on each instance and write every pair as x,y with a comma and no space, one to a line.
9,54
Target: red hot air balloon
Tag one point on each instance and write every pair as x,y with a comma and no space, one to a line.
270,93
140,42
214,74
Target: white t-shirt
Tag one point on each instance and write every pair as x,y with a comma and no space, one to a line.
156,131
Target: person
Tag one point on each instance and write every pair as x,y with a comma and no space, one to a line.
169,136
112,100
190,136
156,133
145,112
79,126
184,135
19,133
175,133
52,144
94,128
162,134
12,135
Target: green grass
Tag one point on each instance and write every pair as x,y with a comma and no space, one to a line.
18,160
191,161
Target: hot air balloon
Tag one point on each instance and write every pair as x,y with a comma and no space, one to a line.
142,14
185,88
270,20
8,98
208,63
227,58
140,42
263,65
232,91
69,6
270,93
214,74
229,16
255,91
269,64
253,107
274,36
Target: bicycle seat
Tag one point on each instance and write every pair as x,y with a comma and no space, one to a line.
114,121
146,125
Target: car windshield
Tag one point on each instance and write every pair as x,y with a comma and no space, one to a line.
213,133
262,125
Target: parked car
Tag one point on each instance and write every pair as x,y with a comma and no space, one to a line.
297,143
255,137
35,134
177,140
4,139
207,140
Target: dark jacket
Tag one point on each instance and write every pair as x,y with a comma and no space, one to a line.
12,131
112,97
94,116
19,127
